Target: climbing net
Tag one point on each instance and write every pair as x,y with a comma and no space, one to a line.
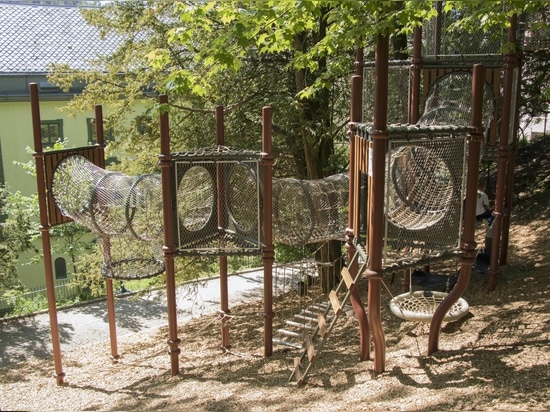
449,101
424,192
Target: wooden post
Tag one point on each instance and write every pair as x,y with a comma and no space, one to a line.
353,196
468,244
109,290
416,69
222,224
169,249
376,202
45,232
268,253
506,136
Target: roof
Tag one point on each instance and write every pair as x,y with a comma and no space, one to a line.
33,37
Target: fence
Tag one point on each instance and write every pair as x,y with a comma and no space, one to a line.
64,289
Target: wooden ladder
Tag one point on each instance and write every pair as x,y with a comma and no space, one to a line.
319,329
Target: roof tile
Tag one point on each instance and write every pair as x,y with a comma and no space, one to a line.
33,37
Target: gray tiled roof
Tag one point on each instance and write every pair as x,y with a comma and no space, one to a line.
32,37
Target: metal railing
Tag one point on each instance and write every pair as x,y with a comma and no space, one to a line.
64,289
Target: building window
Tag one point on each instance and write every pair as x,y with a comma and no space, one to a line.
52,131
92,132
60,268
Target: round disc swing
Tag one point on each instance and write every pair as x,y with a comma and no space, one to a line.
421,305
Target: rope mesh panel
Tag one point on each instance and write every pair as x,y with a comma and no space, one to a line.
398,93
310,211
108,203
424,192
441,37
218,205
449,101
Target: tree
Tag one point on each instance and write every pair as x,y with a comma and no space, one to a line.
17,233
296,56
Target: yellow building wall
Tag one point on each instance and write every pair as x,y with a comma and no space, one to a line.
16,136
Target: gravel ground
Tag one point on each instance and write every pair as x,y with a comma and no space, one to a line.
495,358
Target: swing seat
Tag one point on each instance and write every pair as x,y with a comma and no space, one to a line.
420,306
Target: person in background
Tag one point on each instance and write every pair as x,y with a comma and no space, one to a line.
483,208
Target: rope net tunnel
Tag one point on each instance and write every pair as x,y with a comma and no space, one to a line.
217,199
123,212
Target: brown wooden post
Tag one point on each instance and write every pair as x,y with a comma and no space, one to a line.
376,201
506,135
354,190
268,253
416,70
109,290
169,249
45,232
222,224
467,243
512,151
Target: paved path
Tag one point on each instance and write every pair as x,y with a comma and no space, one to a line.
30,336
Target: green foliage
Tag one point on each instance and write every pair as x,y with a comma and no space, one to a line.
24,305
294,55
17,232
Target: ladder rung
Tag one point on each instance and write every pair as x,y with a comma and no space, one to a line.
322,325
361,252
310,348
300,325
287,343
310,312
307,318
347,277
336,306
321,306
291,333
297,371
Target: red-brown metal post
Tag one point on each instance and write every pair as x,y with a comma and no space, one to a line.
222,223
169,249
45,232
268,253
506,135
376,201
109,290
467,244
355,297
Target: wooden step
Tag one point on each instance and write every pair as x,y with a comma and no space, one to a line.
298,375
347,277
309,348
336,306
286,343
322,326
